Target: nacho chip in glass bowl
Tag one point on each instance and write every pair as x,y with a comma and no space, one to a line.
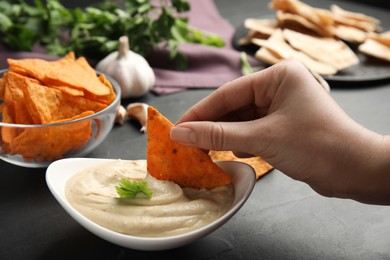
63,112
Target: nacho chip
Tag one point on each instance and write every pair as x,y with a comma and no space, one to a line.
107,99
76,76
260,166
2,87
54,141
15,99
47,104
28,98
187,166
71,91
38,68
8,133
65,72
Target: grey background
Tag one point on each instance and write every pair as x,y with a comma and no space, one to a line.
283,219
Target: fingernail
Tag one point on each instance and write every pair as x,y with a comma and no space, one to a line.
183,135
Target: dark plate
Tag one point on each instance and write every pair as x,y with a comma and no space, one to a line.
369,69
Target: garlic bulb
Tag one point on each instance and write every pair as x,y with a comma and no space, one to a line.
129,69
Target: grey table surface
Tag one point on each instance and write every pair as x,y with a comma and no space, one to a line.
283,218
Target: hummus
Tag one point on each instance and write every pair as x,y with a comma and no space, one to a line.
171,210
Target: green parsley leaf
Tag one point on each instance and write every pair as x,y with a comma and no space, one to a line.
183,33
246,67
127,189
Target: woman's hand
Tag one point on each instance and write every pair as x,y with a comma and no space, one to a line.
283,115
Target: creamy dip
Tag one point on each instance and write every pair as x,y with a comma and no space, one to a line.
171,210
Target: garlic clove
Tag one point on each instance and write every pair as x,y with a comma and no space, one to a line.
121,115
139,112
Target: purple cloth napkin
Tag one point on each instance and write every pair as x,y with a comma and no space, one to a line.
208,67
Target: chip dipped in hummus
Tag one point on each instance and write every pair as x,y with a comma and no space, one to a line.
170,210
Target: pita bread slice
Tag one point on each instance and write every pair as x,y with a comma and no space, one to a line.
187,166
375,49
267,55
251,35
327,50
319,17
349,33
263,26
302,9
383,38
358,20
257,28
299,23
277,44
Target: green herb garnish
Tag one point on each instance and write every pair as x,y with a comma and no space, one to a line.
246,67
94,31
129,189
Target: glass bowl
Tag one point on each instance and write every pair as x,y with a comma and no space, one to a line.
38,145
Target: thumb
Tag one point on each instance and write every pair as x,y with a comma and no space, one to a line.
220,136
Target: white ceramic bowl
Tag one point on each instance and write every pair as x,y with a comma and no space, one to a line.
60,171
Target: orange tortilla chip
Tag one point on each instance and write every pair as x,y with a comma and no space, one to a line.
28,98
7,133
65,72
47,104
38,68
260,166
76,76
53,142
2,88
107,99
70,91
15,99
187,166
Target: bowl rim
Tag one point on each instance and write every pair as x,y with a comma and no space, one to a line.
114,103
